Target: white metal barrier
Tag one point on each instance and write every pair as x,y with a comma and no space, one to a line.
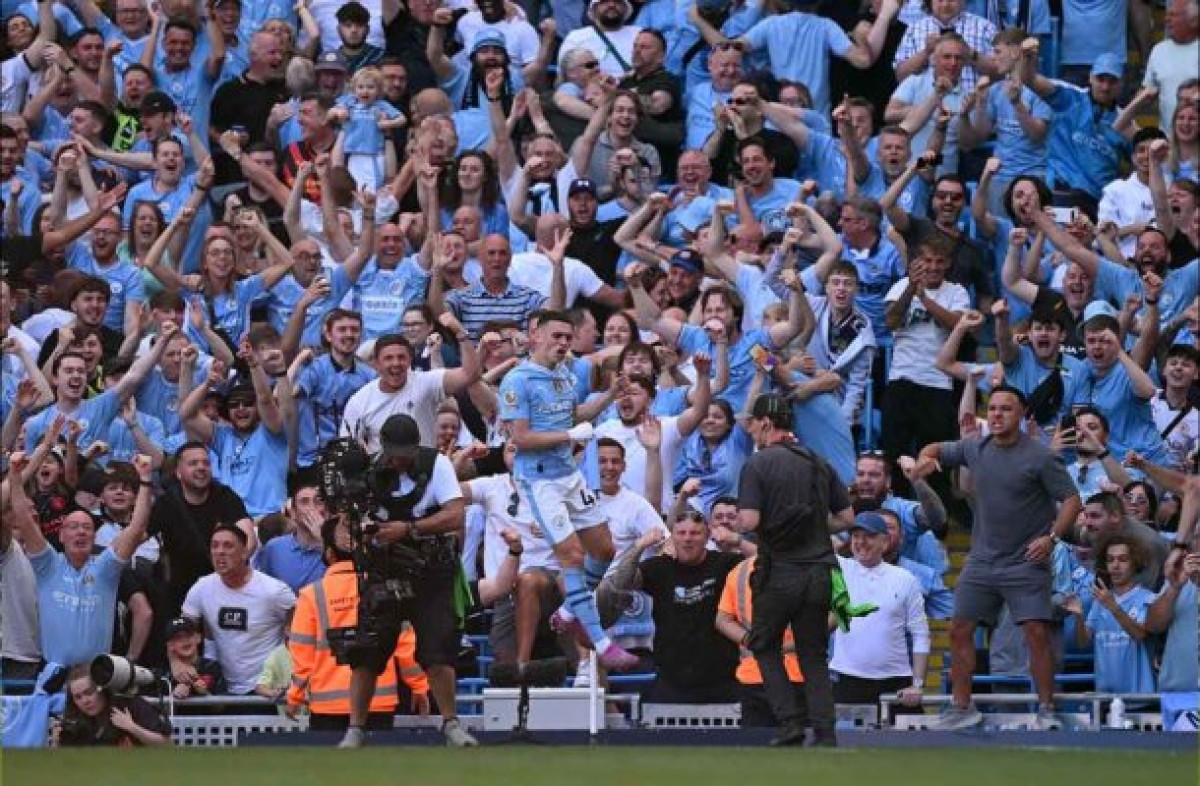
1095,717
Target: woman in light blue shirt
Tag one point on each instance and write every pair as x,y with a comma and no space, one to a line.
714,455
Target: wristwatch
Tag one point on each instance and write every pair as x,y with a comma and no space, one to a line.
1179,544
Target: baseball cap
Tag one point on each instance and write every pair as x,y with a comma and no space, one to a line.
870,522
1107,64
331,61
241,390
157,103
488,36
353,12
180,625
400,437
695,214
771,405
1102,313
581,184
687,259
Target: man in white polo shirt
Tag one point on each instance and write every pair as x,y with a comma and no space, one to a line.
872,657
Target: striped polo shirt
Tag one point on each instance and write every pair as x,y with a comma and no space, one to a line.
474,306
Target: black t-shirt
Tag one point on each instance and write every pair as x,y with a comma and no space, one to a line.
781,486
970,266
780,147
595,245
405,38
245,103
186,530
688,648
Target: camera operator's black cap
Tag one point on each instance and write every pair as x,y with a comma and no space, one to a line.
400,437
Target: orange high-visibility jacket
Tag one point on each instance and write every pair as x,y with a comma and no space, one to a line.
736,601
318,679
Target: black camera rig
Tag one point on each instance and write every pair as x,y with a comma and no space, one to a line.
356,488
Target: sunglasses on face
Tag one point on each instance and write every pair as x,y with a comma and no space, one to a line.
953,196
590,64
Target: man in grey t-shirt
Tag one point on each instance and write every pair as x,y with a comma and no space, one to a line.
1018,482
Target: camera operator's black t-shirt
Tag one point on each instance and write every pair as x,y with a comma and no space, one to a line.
688,649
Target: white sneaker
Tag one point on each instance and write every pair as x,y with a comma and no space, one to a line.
355,738
1046,719
583,673
456,736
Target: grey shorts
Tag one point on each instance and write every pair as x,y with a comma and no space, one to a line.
984,588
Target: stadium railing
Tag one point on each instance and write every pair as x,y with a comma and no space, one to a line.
1094,705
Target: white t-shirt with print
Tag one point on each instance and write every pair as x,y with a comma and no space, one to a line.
369,408
920,338
243,625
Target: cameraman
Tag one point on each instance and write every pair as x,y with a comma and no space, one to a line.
94,717
425,509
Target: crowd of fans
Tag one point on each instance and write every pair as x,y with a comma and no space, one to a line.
233,233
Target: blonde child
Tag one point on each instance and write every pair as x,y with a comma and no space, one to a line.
364,145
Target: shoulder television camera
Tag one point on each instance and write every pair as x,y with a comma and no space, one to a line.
357,488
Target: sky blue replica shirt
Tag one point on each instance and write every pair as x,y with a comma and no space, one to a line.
1122,664
287,293
124,281
94,415
1084,151
693,339
76,607
1130,421
798,47
322,390
1020,154
546,399
254,465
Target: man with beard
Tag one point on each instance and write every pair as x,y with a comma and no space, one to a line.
353,23
608,37
1115,382
252,449
1114,283
537,401
922,521
129,27
464,84
520,36
245,102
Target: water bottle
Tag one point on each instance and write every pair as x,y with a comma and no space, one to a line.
1116,714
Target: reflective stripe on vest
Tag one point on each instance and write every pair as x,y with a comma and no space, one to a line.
741,596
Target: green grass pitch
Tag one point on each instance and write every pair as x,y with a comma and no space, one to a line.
612,766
